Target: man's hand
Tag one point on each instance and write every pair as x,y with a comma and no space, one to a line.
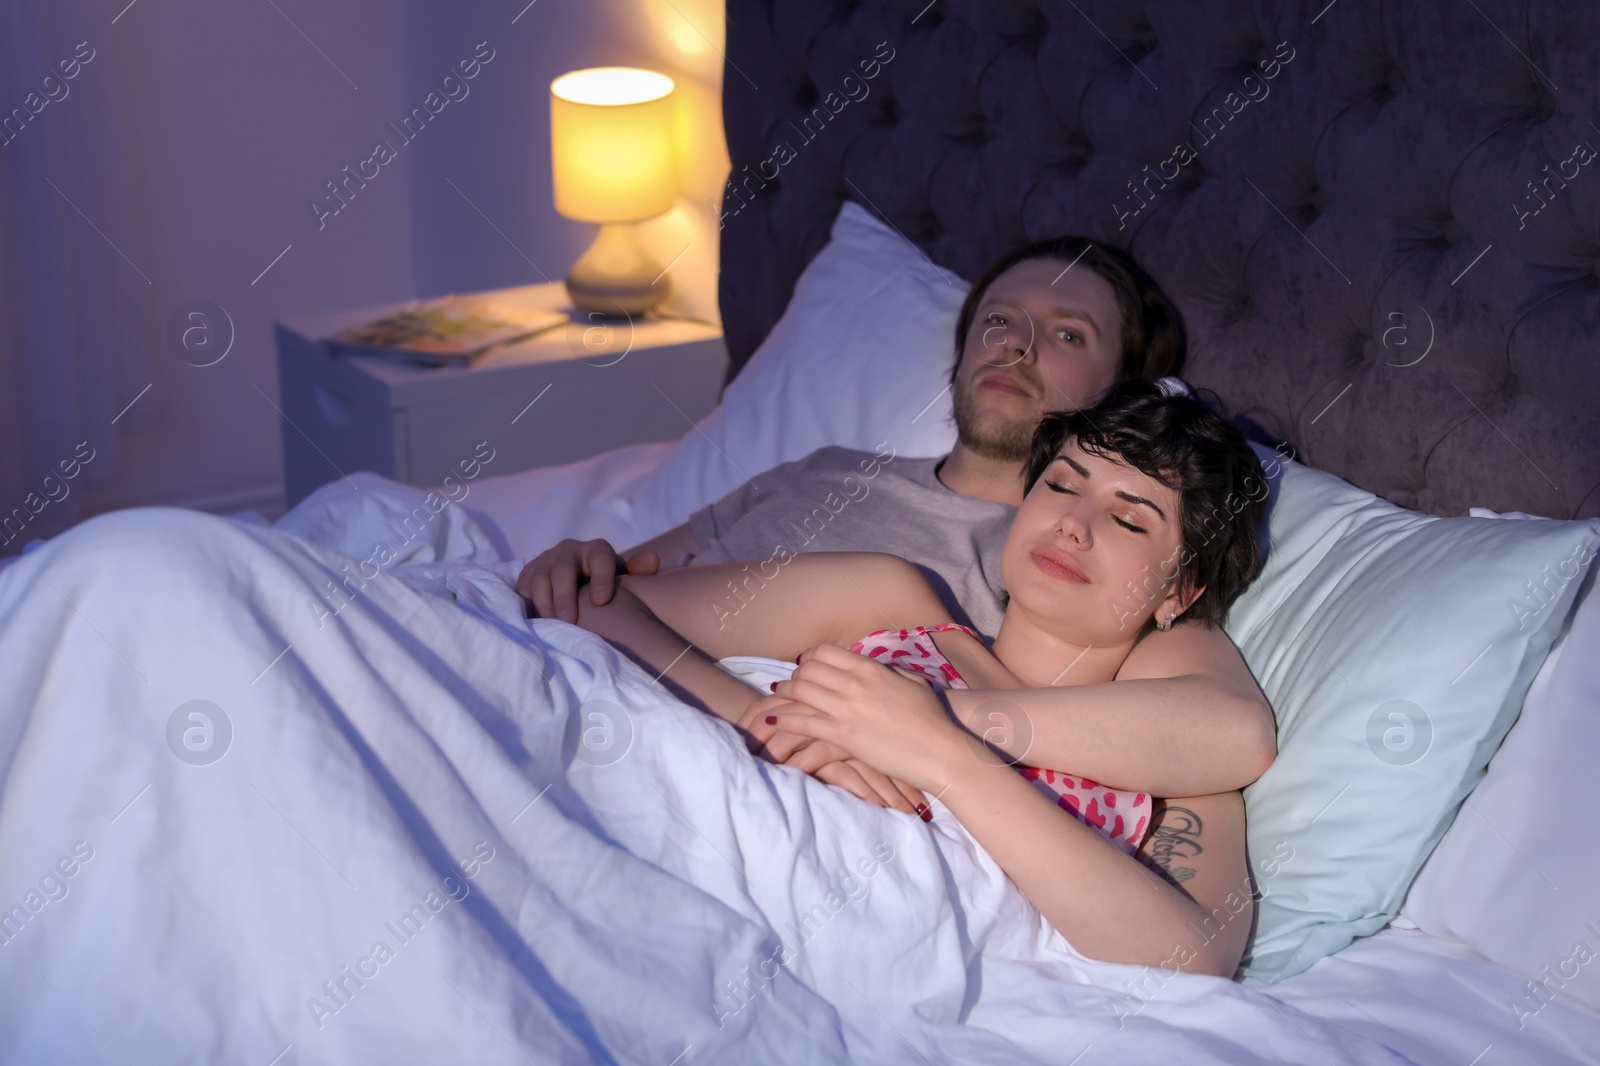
550,580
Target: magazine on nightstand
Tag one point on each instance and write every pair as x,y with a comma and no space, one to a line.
450,331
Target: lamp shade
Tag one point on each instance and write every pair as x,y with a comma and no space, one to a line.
611,141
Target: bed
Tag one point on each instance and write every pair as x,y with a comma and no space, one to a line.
318,791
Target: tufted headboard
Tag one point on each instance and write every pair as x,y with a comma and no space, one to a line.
1381,219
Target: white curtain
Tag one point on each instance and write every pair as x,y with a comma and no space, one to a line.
76,336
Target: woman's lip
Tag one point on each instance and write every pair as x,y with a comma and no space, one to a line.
1056,568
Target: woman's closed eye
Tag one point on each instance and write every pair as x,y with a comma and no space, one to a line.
1057,487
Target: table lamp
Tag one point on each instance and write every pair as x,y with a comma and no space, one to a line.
611,150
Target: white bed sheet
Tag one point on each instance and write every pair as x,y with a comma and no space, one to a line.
1439,1003
231,911
391,742
602,496
1434,999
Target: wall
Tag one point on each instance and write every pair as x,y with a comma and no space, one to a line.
246,111
240,121
481,213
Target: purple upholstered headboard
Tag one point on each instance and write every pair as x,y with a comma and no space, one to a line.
1381,219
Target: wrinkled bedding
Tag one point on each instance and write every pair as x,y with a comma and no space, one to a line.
265,799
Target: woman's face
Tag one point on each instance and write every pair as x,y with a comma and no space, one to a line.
1089,529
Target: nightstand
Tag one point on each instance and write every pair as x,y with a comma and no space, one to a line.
560,396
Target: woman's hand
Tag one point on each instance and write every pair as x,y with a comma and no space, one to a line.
824,761
783,747
881,716
777,745
864,782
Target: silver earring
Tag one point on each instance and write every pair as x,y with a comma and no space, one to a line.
1166,625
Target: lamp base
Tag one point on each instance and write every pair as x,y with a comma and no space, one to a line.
616,276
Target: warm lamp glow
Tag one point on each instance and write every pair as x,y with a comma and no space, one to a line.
612,85
611,138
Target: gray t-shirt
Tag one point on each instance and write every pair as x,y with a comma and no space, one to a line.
838,499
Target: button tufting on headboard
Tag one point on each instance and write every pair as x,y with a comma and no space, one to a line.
1384,230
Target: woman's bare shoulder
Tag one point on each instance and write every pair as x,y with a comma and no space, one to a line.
1189,648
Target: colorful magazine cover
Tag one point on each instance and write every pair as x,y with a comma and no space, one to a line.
455,329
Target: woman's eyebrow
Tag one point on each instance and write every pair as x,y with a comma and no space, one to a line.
1131,498
1083,472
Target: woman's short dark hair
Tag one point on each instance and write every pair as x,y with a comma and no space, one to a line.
1183,444
1153,340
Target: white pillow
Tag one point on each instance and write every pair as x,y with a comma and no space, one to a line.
862,354
1517,877
1396,649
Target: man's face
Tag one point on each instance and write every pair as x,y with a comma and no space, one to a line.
1043,338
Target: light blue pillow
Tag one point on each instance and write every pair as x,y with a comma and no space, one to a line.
1396,649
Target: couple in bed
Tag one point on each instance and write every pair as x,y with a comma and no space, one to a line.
1097,525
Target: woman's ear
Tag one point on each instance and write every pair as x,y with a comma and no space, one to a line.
1177,601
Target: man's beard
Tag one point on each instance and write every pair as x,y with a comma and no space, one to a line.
995,436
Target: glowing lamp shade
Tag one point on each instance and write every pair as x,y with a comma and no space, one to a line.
612,132
611,137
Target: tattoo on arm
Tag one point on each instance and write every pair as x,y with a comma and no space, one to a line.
1174,837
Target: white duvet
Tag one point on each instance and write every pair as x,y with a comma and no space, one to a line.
249,815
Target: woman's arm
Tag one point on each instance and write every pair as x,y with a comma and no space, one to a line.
780,607
1192,912
626,622
1199,845
1189,909
1184,718
1187,720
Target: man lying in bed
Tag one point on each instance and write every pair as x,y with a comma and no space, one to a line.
1048,327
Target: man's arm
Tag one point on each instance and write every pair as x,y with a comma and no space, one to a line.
550,580
1184,718
676,547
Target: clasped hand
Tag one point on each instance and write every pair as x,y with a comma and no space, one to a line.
844,719
880,733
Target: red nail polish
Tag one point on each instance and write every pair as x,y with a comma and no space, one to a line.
924,812
773,687
772,719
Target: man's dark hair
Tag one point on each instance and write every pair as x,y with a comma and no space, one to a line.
1186,446
1153,340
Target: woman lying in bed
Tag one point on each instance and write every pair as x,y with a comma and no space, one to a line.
1138,509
